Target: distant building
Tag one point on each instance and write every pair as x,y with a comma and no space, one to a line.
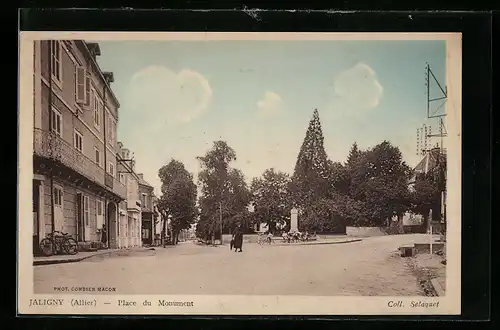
428,164
147,211
75,185
130,210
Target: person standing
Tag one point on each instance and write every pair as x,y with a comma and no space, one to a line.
104,237
238,238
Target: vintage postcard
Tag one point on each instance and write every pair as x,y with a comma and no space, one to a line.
240,173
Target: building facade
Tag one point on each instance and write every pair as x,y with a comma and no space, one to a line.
130,216
75,184
147,211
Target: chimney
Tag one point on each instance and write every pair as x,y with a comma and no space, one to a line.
141,176
94,49
125,153
109,76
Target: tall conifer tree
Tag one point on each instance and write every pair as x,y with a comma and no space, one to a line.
353,156
310,180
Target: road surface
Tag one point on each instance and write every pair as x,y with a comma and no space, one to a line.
371,267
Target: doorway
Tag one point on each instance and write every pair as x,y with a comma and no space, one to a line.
111,224
146,232
79,218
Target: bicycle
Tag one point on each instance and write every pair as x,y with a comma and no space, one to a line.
58,242
264,239
260,239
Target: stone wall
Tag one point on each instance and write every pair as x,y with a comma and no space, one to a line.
380,231
365,231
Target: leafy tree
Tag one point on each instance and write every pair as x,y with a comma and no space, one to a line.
270,198
224,191
178,200
332,214
311,177
245,218
339,177
426,192
379,179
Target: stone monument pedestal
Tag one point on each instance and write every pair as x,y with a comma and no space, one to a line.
294,223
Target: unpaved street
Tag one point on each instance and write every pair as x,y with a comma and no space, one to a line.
370,267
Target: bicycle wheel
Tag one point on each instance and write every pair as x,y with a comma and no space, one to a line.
47,247
70,246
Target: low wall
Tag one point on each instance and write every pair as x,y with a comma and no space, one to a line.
414,229
425,247
380,231
365,231
253,238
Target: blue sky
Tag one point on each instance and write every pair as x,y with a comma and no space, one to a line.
177,97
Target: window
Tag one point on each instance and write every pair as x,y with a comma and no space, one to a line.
78,141
97,156
111,130
56,124
86,211
143,200
111,169
83,86
56,66
58,196
97,111
99,208
122,177
108,129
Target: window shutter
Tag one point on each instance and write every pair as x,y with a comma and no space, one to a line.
87,89
80,84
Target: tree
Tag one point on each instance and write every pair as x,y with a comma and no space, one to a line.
332,214
311,178
427,189
235,201
379,179
424,197
354,155
178,200
339,177
271,199
224,192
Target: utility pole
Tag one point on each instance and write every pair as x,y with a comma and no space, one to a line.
220,214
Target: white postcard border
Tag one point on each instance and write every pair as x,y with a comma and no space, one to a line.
234,304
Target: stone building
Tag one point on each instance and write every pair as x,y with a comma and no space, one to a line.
75,184
147,211
131,209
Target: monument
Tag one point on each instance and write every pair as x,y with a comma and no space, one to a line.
294,224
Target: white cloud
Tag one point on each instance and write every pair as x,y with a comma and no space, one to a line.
270,105
168,96
359,87
158,100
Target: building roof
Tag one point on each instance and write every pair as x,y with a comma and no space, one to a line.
94,46
143,182
429,162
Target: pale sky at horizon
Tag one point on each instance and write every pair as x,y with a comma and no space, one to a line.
177,97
